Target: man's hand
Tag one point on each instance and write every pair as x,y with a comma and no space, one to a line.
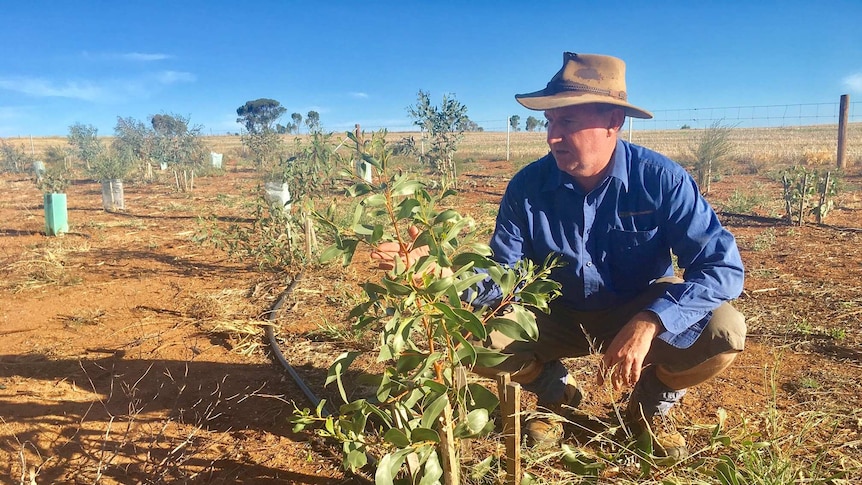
386,252
624,357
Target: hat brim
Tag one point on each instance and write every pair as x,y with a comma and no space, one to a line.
541,101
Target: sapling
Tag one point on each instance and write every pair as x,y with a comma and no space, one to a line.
426,331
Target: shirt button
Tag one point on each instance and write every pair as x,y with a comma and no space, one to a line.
589,264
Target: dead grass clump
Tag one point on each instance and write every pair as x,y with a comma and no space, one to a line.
230,317
244,337
44,266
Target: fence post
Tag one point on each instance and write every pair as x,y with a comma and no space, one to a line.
843,115
507,139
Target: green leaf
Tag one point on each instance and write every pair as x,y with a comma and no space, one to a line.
477,260
446,216
432,412
387,468
432,470
336,370
418,435
408,361
356,459
479,397
580,463
466,354
330,253
396,288
349,250
359,189
374,200
509,328
439,286
384,387
373,161
473,424
469,281
397,438
481,470
489,358
472,323
406,208
405,187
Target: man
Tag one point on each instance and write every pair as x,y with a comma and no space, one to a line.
615,213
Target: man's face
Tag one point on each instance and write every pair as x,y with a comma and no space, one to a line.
582,138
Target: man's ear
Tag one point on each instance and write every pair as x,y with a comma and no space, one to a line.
616,120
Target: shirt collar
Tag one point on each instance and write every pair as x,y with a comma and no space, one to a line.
619,170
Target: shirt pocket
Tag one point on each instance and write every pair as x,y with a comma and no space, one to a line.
634,258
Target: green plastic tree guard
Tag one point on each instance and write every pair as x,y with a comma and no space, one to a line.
56,214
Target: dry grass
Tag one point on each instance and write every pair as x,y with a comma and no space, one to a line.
815,144
227,315
44,265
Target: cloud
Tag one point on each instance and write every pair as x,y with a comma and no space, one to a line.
853,82
140,56
174,77
110,90
127,56
358,95
43,88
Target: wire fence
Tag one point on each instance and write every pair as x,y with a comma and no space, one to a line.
790,132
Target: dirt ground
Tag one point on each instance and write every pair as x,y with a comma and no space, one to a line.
112,369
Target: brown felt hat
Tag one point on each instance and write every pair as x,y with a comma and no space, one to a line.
584,79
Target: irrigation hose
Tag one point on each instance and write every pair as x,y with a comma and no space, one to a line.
273,343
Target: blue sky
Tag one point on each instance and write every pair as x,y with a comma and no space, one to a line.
66,62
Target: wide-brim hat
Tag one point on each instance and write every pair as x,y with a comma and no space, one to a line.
585,79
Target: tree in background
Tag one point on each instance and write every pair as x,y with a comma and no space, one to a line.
514,121
261,139
297,120
84,139
471,125
312,121
532,123
445,126
260,115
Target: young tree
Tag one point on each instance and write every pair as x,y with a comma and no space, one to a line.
135,136
260,115
312,121
84,139
514,121
445,126
175,142
711,151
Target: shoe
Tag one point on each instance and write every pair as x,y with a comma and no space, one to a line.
660,432
648,416
544,428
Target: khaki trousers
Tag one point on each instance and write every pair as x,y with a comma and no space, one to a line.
570,333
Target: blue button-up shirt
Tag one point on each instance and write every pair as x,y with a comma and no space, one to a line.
618,238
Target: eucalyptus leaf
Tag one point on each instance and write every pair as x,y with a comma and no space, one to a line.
432,471
396,437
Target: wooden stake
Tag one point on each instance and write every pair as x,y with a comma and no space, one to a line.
451,467
510,409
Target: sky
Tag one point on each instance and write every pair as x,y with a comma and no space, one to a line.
90,62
